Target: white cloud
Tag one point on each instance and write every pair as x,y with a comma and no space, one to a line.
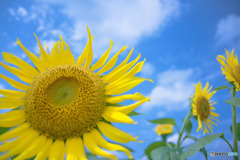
147,70
126,22
172,92
22,11
173,138
228,32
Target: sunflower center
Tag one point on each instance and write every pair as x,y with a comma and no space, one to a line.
65,101
203,107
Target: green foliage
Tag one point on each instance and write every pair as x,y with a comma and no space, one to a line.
166,153
188,127
238,131
133,113
3,130
222,87
200,143
152,147
234,101
164,121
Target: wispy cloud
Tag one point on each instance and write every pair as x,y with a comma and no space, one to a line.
172,91
147,70
125,22
1,86
228,32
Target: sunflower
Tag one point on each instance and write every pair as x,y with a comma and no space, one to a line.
64,105
202,107
164,129
231,68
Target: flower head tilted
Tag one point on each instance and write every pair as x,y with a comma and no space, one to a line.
65,104
164,129
230,68
202,107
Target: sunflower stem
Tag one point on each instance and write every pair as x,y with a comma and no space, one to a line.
234,125
187,118
227,142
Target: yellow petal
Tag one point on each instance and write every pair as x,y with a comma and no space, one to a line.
214,114
33,149
43,153
137,68
91,144
103,59
19,73
57,150
90,51
116,74
125,61
12,93
115,134
75,149
13,119
115,116
69,56
45,56
109,146
128,109
117,99
27,68
10,103
19,144
111,62
81,59
14,83
14,132
124,87
39,64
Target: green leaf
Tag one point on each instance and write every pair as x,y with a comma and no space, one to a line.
3,130
204,152
200,143
222,87
188,128
164,121
133,113
153,146
165,153
234,101
238,131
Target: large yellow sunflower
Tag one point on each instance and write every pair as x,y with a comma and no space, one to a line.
64,105
202,107
231,68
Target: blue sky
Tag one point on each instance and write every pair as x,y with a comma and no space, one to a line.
180,40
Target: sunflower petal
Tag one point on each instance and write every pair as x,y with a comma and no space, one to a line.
57,150
111,62
69,56
27,68
14,118
103,59
10,103
129,108
33,149
91,144
75,149
14,132
117,99
39,64
43,153
19,73
12,93
109,146
115,116
90,51
14,83
115,134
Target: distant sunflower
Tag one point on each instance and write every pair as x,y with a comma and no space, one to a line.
164,129
231,68
64,105
202,107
